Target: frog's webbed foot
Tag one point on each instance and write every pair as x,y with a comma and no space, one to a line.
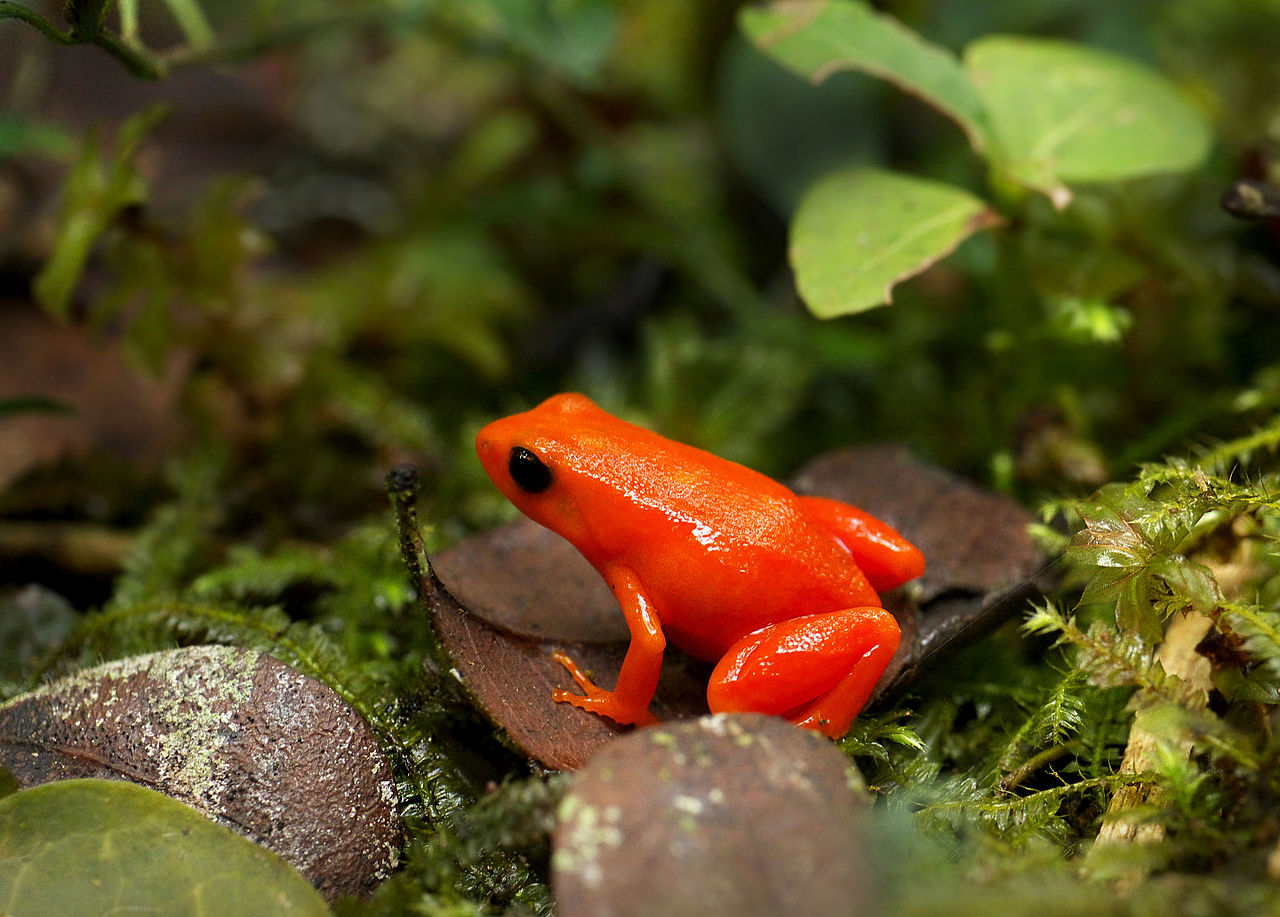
598,700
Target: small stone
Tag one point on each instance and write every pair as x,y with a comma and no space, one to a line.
731,814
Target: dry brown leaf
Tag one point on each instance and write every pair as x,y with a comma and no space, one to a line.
506,599
237,734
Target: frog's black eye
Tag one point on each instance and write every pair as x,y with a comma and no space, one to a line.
527,470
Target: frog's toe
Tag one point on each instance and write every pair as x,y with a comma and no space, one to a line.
598,700
579,676
602,703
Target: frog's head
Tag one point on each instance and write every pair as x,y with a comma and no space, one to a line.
533,458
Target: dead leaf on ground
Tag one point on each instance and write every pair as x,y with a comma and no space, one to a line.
982,564
506,599
253,744
114,409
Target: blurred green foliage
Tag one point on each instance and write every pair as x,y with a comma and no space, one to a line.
457,208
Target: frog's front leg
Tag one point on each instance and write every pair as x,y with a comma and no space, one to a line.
817,670
638,678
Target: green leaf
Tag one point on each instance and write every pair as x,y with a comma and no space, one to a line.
1118,553
20,134
1257,685
1135,612
107,846
94,196
858,232
816,39
1061,113
571,37
191,19
1191,581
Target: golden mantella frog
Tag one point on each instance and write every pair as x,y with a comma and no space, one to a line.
779,590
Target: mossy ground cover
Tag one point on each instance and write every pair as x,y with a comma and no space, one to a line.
325,241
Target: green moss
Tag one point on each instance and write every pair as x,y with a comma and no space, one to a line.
516,204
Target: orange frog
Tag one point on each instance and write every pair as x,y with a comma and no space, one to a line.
778,589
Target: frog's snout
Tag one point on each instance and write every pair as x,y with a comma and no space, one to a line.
492,447
485,449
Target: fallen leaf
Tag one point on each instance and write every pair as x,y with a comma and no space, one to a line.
974,540
114,409
108,847
504,600
253,744
511,676
982,564
532,582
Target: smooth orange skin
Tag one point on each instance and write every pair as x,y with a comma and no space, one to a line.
726,563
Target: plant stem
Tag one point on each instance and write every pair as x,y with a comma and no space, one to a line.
1179,657
402,489
1016,777
138,61
9,9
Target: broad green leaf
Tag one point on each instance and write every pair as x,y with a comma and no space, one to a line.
858,232
784,133
107,846
1190,581
1061,113
571,37
816,38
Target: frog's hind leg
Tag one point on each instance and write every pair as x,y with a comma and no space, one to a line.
886,558
817,670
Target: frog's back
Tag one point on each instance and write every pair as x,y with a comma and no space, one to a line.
722,549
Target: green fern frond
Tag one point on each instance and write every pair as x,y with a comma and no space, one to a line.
1107,657
1223,458
1051,725
179,539
1015,818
